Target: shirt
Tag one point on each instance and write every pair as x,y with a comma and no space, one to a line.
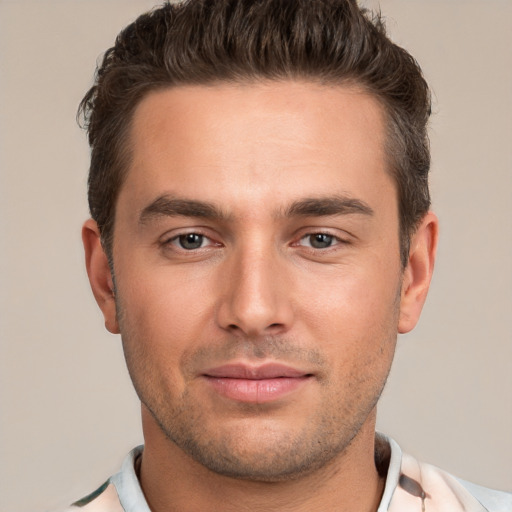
411,486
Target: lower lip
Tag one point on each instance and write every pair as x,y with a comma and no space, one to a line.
256,390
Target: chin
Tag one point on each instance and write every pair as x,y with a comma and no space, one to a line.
259,450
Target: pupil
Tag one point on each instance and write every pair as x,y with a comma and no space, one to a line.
191,241
321,240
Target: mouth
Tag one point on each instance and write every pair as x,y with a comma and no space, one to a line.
256,384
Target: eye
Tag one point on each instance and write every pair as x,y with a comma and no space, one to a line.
191,241
319,240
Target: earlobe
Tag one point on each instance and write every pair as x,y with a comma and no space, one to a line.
99,274
418,273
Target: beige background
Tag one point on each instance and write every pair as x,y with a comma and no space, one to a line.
68,413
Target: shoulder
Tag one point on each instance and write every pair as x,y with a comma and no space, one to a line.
448,493
413,486
103,499
491,499
119,493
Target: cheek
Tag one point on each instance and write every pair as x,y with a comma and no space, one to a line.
354,316
165,298
164,310
159,321
352,302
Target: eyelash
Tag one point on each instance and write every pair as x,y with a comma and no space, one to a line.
334,241
175,240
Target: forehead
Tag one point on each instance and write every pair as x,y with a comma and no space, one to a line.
255,140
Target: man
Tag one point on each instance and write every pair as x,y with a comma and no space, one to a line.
260,233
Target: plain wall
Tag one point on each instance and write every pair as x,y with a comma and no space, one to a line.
68,411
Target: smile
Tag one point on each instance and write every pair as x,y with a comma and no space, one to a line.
251,384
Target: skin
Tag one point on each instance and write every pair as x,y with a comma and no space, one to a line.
259,288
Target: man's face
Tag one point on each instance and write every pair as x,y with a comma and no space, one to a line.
257,271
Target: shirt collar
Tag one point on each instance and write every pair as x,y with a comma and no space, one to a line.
132,498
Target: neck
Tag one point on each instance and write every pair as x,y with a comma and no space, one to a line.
172,481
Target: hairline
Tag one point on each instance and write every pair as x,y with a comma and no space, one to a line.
124,151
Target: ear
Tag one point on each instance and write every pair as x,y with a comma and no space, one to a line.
418,273
98,270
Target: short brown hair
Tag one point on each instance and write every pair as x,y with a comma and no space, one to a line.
207,41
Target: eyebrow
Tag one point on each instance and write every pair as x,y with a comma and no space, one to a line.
167,206
326,206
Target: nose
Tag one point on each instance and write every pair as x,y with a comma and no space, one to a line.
257,297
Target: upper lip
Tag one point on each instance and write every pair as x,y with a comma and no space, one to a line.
246,371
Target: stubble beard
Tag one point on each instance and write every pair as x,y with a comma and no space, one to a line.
280,458
270,455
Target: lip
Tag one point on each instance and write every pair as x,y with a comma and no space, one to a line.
255,384
245,371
